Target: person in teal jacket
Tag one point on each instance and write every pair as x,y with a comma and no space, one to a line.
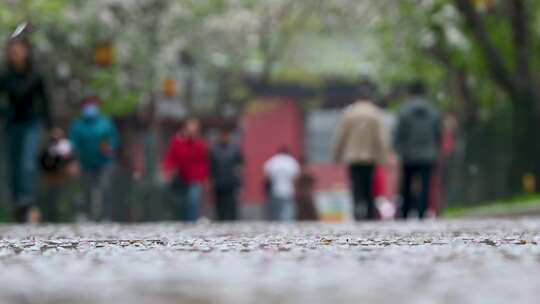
95,141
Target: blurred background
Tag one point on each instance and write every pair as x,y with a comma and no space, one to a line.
281,72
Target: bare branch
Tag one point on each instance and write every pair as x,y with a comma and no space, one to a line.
458,77
500,73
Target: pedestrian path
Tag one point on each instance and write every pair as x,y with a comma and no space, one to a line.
484,261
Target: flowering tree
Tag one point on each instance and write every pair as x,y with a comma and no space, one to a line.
482,57
227,39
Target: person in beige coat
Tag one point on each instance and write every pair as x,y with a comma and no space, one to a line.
360,145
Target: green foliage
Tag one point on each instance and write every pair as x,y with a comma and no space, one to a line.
412,30
500,207
305,40
15,12
117,99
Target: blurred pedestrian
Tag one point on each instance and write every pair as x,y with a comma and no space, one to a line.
281,170
58,169
186,163
147,203
226,164
95,140
27,112
360,144
304,194
418,142
450,172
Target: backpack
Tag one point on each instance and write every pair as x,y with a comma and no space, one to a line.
421,131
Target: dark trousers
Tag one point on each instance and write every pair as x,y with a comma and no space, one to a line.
95,204
361,177
226,203
49,203
23,140
410,173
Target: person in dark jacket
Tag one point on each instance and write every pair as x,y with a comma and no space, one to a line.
225,168
23,87
417,141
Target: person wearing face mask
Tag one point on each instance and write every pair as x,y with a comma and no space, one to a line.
95,141
26,109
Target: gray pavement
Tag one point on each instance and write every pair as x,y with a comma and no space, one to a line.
482,261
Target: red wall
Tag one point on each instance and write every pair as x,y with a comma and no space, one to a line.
268,124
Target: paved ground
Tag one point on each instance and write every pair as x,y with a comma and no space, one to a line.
483,261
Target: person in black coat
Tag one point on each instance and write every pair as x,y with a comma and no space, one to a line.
225,165
26,110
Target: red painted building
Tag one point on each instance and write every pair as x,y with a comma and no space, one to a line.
268,125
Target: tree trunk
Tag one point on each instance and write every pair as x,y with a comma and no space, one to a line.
519,85
525,142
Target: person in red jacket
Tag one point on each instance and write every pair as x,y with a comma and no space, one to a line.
187,164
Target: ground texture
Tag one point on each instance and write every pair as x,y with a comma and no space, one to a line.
485,261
